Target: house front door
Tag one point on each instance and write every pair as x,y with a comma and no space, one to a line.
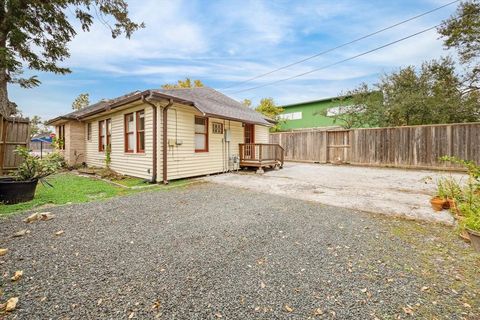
249,137
249,133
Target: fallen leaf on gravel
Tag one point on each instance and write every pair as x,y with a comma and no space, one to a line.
11,304
156,305
132,314
466,305
43,299
218,315
390,280
18,274
288,308
31,218
45,216
3,251
318,312
59,233
408,310
21,233
425,289
262,285
99,302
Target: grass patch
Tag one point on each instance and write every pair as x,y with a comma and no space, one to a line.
67,188
71,188
444,263
132,182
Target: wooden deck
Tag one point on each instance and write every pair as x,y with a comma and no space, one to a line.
261,155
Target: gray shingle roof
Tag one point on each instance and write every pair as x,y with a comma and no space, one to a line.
212,102
98,106
205,99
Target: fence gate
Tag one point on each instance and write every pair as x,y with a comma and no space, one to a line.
13,133
338,146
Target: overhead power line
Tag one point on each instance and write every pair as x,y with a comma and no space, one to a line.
340,46
339,62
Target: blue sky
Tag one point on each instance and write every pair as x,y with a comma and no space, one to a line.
224,42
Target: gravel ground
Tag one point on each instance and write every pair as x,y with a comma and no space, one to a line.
210,251
380,190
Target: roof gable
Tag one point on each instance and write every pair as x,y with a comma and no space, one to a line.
212,102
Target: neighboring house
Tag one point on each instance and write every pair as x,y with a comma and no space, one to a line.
163,135
312,114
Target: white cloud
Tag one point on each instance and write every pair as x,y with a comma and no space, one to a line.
225,42
170,33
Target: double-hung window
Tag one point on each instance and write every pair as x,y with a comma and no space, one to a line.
61,137
201,134
140,131
89,131
108,125
129,133
104,134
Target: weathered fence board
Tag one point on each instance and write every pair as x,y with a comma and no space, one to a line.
13,133
410,146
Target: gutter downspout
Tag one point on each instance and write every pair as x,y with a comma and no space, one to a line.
165,140
154,109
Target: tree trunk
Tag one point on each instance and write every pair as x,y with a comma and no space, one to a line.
4,103
5,107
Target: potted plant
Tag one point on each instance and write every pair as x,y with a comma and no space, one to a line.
20,187
472,225
439,201
454,195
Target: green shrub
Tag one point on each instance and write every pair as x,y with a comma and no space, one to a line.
467,196
33,167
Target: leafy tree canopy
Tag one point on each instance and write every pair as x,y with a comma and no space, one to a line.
247,103
430,95
462,33
35,34
268,108
187,83
37,126
81,101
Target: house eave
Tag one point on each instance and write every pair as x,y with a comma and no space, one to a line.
212,115
58,120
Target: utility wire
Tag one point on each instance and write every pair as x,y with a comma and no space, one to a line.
339,62
340,46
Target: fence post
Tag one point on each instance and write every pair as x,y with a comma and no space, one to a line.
2,143
325,143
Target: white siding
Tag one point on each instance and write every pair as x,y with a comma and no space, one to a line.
183,161
133,164
261,134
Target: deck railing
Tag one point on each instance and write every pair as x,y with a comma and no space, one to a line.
261,153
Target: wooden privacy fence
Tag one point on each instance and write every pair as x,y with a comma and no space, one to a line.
403,147
13,133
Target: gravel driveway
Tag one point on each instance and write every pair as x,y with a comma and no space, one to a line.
210,251
381,190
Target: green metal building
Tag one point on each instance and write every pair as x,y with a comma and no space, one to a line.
312,114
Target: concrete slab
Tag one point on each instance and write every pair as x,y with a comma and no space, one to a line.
381,190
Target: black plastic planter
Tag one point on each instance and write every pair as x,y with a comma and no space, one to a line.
12,191
475,239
